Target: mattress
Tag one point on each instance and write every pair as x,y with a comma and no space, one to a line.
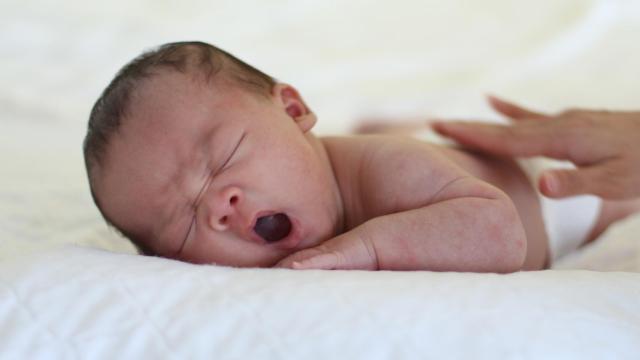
72,288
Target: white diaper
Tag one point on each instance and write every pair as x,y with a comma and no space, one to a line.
568,221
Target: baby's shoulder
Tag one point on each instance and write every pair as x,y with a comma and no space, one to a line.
385,153
400,172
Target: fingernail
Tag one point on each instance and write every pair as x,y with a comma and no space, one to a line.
551,182
442,124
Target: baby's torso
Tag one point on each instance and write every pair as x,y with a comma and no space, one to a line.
407,161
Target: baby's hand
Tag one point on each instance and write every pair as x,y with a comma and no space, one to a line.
349,251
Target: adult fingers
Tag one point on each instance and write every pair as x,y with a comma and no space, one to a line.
513,111
600,180
529,138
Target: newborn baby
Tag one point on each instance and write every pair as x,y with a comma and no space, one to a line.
194,155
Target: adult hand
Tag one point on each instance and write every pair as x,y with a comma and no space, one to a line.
604,146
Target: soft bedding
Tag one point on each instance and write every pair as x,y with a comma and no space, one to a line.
70,288
80,302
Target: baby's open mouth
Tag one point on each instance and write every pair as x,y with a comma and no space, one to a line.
273,227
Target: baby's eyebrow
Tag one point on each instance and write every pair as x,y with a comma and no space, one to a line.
193,205
180,203
196,147
211,172
186,204
198,197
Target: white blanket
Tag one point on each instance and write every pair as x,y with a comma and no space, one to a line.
87,303
69,288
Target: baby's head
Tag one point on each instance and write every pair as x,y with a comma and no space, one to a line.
193,154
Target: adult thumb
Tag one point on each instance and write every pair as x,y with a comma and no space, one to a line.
560,183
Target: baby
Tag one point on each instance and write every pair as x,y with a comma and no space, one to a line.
195,155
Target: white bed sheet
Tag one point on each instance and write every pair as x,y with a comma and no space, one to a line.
69,288
88,303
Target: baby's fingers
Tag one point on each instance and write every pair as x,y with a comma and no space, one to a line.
298,257
348,251
327,261
313,259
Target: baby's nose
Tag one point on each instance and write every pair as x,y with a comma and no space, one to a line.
223,208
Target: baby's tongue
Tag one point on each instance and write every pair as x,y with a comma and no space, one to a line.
273,227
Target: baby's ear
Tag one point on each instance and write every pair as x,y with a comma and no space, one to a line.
287,96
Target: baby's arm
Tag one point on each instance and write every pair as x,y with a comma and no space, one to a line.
469,226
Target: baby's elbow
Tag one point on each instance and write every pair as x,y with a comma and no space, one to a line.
510,240
514,256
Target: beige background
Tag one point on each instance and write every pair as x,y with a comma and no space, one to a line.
348,58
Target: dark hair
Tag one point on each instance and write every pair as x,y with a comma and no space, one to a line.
113,104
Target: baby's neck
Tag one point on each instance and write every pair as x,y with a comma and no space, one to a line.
342,159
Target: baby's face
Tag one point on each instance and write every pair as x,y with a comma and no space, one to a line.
217,174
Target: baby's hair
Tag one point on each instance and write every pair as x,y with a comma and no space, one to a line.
113,104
